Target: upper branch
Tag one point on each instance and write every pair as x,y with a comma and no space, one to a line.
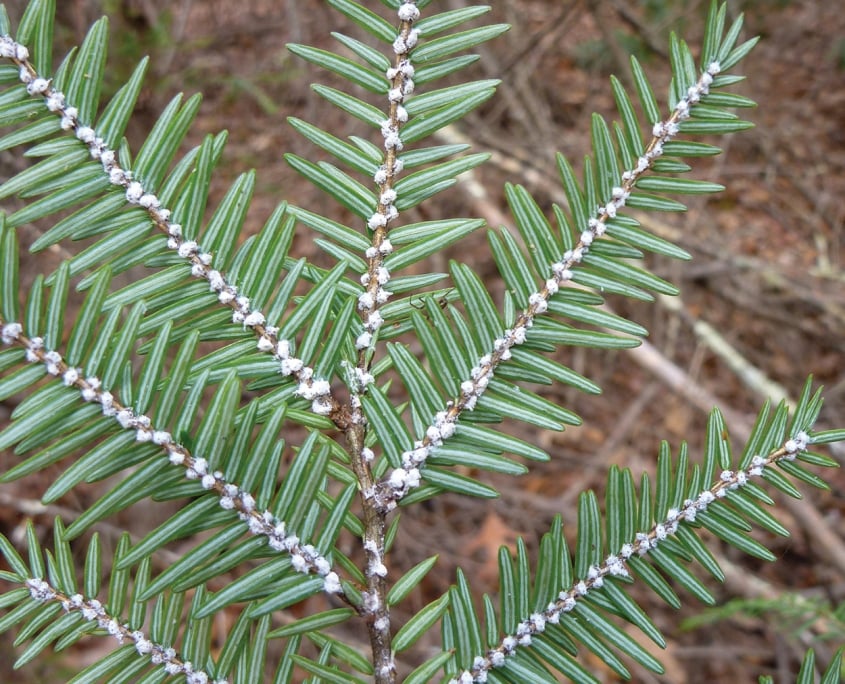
377,276
317,390
402,480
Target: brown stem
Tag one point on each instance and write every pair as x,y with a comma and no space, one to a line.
374,608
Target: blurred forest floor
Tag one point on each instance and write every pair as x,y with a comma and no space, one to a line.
767,274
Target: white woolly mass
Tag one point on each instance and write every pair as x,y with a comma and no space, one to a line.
10,332
409,12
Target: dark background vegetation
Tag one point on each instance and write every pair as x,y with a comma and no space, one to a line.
767,275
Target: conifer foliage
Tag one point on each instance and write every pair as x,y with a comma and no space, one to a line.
125,394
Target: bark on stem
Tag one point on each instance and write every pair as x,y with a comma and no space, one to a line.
374,609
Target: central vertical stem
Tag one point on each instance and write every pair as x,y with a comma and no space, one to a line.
374,607
374,604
